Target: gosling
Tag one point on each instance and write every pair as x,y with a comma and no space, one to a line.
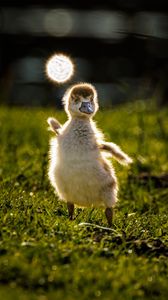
79,169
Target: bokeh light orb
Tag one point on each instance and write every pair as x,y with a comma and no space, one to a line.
59,68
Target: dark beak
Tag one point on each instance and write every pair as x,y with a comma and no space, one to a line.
86,107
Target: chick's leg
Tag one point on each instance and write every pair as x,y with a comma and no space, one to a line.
109,215
70,207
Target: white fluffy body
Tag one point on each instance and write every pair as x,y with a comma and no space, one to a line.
79,170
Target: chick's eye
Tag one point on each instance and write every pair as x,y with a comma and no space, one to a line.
77,100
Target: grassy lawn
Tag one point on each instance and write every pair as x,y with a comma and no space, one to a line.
43,255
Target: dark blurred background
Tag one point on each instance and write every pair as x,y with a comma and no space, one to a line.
121,46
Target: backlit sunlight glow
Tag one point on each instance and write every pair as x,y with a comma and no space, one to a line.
59,68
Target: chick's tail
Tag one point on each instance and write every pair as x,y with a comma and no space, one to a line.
116,152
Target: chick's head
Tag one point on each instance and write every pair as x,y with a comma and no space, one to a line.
81,100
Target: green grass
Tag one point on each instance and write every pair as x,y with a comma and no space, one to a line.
43,255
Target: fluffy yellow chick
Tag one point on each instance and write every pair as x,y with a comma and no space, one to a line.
79,169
